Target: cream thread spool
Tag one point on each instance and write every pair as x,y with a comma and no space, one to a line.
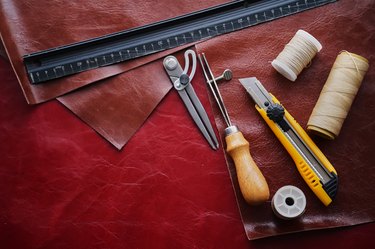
337,95
297,54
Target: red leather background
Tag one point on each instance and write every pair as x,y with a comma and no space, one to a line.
63,187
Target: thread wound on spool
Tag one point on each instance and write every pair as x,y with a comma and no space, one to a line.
296,55
289,202
337,95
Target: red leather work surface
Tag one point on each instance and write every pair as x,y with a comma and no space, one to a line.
63,187
344,25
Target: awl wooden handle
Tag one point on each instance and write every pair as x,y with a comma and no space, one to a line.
252,183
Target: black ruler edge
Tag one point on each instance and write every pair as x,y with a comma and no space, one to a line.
99,48
134,31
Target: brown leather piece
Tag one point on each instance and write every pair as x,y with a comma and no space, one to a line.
65,22
22,33
118,106
344,25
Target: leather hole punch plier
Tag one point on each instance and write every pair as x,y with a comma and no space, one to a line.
182,83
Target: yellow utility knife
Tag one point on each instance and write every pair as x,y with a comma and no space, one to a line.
311,163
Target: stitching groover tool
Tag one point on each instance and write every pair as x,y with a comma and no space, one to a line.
182,83
253,185
311,163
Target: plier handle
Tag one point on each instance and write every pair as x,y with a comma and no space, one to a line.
182,83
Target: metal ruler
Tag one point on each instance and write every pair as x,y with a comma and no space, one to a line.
129,44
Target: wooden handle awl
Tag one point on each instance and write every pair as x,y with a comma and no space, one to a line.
252,183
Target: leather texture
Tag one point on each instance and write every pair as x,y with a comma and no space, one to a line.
117,107
344,25
2,51
62,187
23,34
65,22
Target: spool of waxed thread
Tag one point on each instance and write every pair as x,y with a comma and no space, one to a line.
297,54
337,95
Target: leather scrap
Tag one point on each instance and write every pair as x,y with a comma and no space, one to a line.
117,107
344,25
67,22
22,33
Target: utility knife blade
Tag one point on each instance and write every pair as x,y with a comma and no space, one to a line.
311,163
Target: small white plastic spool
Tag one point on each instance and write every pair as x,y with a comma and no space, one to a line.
283,68
289,202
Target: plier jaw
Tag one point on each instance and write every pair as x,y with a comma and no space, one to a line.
182,83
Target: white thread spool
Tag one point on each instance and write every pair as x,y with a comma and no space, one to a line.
297,54
289,202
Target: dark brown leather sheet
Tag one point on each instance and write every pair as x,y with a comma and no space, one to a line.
22,33
344,25
31,26
118,106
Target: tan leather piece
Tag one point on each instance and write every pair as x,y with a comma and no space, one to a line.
344,25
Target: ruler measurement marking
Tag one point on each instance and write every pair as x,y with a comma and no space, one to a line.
240,21
128,50
32,77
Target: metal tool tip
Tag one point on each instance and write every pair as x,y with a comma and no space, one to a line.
247,82
228,75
